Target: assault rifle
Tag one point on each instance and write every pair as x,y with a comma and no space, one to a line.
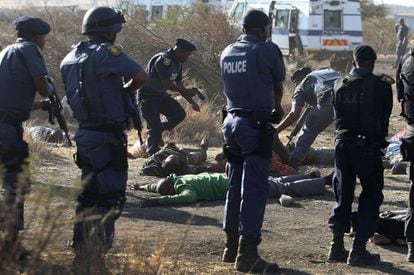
55,111
136,117
298,126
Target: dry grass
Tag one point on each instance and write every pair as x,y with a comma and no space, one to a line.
197,125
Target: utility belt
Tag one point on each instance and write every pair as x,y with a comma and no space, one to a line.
106,128
362,140
9,119
258,119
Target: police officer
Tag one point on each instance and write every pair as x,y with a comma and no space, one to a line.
405,88
252,71
22,73
402,41
98,78
316,91
165,73
363,103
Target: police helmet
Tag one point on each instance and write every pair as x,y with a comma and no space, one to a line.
255,19
102,20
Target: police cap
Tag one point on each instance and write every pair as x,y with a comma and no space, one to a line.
300,73
255,19
32,25
185,45
364,52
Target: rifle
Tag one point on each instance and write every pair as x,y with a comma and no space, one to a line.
55,111
298,126
136,117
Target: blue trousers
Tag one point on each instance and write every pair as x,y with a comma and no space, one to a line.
400,51
409,222
248,187
101,202
317,120
151,108
14,155
365,162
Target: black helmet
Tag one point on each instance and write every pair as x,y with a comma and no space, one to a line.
255,19
102,19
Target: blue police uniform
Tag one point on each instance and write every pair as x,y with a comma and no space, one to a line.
362,110
154,100
93,75
401,47
19,63
405,91
316,91
249,69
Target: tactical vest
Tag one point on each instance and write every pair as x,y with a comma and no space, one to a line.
92,98
246,85
407,78
354,108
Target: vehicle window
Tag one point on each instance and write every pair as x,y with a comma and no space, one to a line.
239,11
281,19
333,20
156,12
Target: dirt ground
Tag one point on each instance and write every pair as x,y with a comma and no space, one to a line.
295,237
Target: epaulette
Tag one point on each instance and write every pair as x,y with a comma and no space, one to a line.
114,50
166,61
386,78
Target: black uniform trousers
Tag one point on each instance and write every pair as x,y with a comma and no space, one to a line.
409,222
352,160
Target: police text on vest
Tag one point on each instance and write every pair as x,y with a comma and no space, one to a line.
235,67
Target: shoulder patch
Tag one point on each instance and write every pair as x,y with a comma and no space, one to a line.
166,62
114,50
386,78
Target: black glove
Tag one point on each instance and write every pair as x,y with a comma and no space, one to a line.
46,104
149,203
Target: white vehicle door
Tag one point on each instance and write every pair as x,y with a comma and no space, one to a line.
333,37
280,29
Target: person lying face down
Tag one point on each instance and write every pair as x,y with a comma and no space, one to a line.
214,186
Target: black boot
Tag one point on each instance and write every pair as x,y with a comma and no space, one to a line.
359,255
248,259
410,253
337,252
231,246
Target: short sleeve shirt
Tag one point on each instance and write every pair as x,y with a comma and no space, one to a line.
162,66
19,63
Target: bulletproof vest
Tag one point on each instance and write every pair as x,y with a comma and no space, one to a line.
246,84
354,107
407,77
89,95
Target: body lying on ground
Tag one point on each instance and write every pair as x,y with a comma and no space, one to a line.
214,186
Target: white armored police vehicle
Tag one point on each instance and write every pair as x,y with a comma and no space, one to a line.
324,28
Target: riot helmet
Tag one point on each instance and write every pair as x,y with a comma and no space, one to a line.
102,20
